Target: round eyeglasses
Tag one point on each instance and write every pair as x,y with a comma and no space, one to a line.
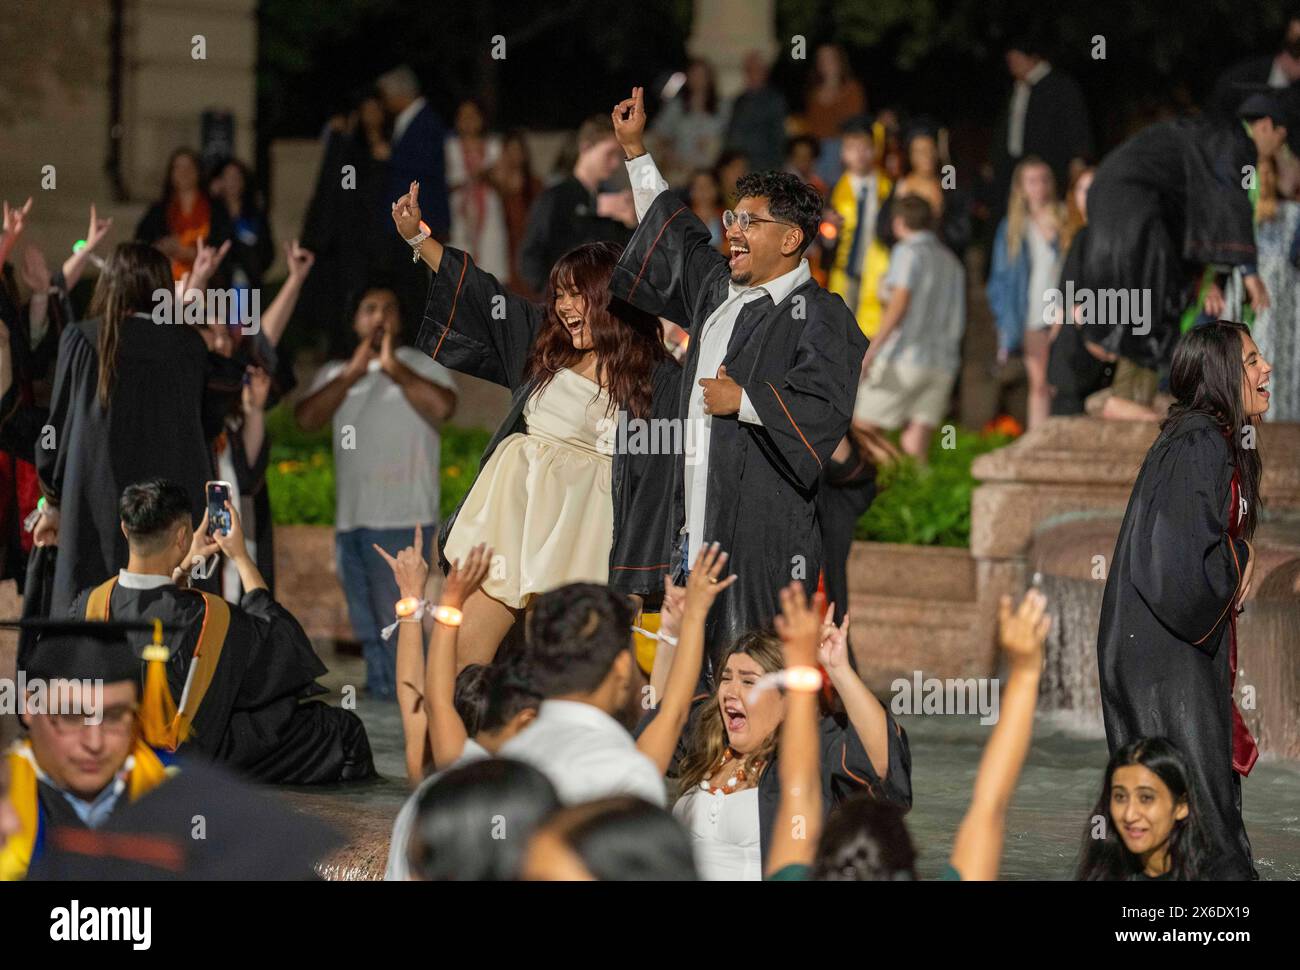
744,220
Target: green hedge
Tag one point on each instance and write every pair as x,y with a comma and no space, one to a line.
929,506
301,472
920,506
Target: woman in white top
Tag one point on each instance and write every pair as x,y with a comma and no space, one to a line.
478,220
554,497
1022,281
729,777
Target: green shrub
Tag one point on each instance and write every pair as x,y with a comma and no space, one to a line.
919,506
301,471
928,506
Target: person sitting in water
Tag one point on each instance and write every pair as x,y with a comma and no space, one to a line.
1145,824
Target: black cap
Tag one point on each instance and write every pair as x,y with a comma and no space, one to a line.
86,649
246,834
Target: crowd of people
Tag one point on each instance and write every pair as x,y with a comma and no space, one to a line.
780,294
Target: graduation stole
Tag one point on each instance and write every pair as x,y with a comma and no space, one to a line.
144,772
164,723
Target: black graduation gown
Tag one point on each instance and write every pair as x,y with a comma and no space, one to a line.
1073,372
847,490
167,406
255,717
1163,204
1162,646
474,325
798,363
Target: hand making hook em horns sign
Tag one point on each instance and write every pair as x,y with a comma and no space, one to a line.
721,394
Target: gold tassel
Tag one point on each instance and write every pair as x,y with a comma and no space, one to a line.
158,716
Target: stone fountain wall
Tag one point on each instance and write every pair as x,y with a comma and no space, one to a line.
1051,503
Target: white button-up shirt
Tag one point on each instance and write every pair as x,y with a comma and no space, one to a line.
586,754
713,337
1019,106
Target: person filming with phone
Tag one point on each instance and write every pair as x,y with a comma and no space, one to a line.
238,678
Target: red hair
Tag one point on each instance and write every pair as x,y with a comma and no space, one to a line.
627,341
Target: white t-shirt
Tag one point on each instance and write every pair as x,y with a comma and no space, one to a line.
386,457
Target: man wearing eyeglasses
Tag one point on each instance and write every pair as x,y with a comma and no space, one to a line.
83,756
773,367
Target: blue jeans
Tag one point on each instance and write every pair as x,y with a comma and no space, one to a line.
372,593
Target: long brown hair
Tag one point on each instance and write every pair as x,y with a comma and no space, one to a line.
135,272
709,736
627,341
1074,217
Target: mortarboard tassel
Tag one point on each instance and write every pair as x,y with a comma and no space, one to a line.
158,716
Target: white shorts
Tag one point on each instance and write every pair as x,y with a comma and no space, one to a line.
894,394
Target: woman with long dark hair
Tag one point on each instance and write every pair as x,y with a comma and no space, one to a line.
184,214
558,495
1146,823
1167,645
134,398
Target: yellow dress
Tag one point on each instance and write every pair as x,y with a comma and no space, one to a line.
542,502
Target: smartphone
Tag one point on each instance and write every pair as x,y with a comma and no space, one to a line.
218,494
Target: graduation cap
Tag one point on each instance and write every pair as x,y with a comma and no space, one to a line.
245,834
103,650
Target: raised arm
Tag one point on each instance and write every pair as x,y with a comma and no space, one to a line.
276,317
798,821
866,713
447,733
977,850
659,739
406,216
670,257
472,323
75,264
412,573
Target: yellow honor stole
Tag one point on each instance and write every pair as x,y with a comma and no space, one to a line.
164,723
144,772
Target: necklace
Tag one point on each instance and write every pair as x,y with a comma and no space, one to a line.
738,777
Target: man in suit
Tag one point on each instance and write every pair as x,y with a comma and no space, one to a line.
1279,70
1047,117
418,155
